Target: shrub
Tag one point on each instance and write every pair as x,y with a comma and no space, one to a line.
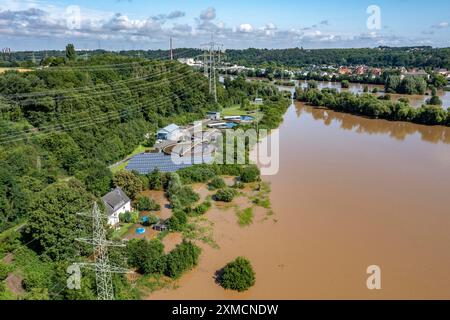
177,222
225,195
216,183
250,174
157,180
345,84
144,203
184,257
186,197
196,174
129,217
435,101
152,219
201,209
4,270
238,275
180,196
146,256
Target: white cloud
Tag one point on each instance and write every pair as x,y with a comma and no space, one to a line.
50,22
208,14
245,27
441,25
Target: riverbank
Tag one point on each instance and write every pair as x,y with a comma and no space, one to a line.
373,107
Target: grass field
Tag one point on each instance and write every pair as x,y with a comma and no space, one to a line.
122,166
233,111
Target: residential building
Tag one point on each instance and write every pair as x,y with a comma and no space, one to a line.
116,202
213,115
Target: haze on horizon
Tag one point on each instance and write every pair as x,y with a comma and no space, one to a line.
139,24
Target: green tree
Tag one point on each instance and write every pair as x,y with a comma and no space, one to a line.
216,183
238,275
438,80
96,177
71,54
183,258
128,182
53,224
146,256
144,203
225,195
250,173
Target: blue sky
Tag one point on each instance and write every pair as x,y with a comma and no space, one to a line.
140,24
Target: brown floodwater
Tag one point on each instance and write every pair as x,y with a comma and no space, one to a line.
351,192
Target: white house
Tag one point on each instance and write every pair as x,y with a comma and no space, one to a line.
171,132
116,202
213,115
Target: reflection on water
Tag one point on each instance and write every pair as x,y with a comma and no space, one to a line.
395,129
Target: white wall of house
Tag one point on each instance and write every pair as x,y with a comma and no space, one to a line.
175,135
114,218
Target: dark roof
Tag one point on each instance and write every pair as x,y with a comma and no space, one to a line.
115,200
145,163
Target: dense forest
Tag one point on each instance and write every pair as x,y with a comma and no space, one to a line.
424,57
419,57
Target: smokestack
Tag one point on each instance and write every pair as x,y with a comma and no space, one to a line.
171,48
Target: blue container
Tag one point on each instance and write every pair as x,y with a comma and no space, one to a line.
140,230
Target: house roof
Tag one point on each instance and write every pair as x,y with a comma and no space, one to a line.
170,128
115,200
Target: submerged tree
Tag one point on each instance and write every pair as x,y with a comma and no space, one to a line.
238,275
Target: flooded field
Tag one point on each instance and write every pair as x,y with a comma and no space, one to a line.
351,192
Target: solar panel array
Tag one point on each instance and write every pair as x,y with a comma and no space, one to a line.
145,163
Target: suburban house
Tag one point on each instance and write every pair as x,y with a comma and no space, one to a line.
213,115
416,73
171,132
116,202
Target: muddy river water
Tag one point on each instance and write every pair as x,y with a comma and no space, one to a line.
351,192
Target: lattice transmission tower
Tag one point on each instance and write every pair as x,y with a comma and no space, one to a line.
101,266
211,60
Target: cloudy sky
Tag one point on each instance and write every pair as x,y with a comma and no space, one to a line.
148,24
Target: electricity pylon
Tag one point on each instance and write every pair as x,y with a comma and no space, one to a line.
103,270
210,60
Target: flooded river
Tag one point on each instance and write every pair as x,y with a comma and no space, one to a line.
351,192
